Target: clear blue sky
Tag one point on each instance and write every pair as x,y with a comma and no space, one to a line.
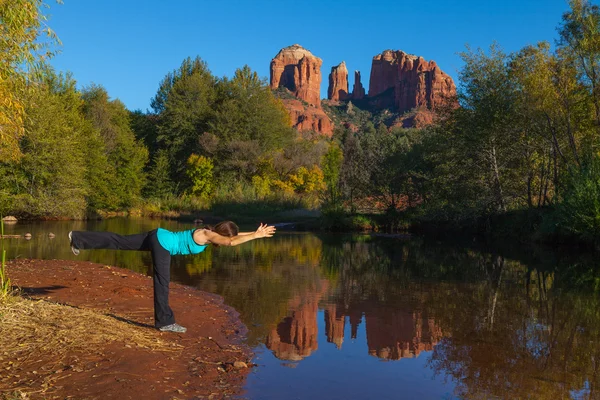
128,46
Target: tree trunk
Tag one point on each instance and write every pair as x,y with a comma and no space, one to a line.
499,196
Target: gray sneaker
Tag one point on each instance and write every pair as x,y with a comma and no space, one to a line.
73,248
173,328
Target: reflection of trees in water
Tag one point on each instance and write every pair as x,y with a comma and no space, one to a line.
198,264
261,278
515,336
508,330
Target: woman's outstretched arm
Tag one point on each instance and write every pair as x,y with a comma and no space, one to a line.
263,231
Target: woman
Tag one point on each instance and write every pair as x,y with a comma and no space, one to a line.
163,244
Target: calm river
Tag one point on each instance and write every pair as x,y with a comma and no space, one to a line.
362,317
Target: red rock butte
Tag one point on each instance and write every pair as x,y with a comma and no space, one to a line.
299,71
338,83
399,81
409,81
358,91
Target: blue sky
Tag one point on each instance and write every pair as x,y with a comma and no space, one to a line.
128,46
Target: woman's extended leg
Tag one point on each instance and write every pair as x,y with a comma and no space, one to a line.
84,240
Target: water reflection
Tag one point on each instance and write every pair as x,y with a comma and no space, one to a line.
295,337
464,322
491,326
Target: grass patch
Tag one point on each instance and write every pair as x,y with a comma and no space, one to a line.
38,337
252,211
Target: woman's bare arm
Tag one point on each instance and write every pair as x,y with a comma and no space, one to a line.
213,237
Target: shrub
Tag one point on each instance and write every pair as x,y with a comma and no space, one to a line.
578,213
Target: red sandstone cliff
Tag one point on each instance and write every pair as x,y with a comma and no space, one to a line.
358,91
405,81
299,71
308,118
296,69
338,83
399,81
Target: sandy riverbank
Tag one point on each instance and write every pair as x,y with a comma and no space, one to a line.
140,362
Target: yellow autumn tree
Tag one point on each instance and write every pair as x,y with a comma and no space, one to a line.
25,43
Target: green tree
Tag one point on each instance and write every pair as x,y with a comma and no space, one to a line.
159,184
184,106
577,214
249,124
144,127
49,179
554,118
331,166
474,151
354,177
200,172
123,151
25,42
580,36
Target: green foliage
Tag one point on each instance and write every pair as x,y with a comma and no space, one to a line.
262,186
491,154
99,173
159,184
249,123
126,156
49,180
331,164
580,39
236,122
5,286
24,46
578,213
200,172
144,126
184,105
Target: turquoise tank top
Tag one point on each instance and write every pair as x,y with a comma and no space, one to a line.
179,242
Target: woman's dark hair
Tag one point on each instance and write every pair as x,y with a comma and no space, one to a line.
225,228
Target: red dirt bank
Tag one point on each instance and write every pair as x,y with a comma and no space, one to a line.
191,370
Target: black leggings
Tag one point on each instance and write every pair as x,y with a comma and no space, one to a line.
161,263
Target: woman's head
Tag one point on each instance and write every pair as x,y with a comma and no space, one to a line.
225,228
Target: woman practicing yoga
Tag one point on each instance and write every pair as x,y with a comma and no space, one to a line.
163,244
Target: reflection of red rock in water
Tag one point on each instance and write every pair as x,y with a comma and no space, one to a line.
355,318
334,326
295,337
395,334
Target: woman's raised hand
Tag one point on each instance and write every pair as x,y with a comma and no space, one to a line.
265,231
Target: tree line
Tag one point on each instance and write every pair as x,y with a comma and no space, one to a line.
523,138
70,153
